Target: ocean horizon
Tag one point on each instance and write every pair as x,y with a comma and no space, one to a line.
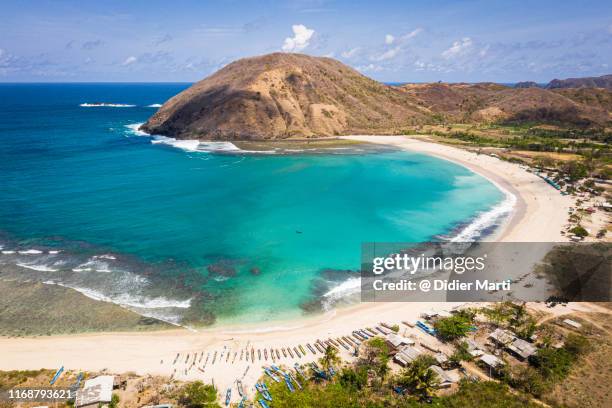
194,233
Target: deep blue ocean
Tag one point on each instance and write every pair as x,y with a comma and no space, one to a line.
189,232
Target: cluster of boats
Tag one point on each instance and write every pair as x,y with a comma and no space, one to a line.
277,375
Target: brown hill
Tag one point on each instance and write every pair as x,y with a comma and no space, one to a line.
282,95
285,95
604,81
487,102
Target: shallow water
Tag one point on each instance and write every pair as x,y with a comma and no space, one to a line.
179,232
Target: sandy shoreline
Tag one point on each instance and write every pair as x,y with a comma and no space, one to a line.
540,213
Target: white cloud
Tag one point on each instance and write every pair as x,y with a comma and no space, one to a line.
129,60
458,48
350,53
300,40
483,52
412,34
389,54
369,68
389,39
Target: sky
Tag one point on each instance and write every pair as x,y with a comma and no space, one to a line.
391,41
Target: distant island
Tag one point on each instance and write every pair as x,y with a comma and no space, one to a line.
282,95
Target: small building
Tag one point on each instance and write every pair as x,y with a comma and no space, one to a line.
447,378
520,348
572,323
441,358
474,348
491,361
407,355
96,391
395,341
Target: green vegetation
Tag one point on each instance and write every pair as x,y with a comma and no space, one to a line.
461,354
335,394
548,367
330,358
395,328
419,379
513,317
198,395
375,357
454,327
114,403
579,231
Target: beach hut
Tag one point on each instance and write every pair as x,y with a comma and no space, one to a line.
95,391
395,341
473,348
520,348
447,378
406,355
492,362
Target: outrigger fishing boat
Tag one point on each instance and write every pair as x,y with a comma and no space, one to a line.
263,390
284,352
297,353
318,372
302,350
295,381
239,386
263,403
278,370
228,396
298,370
290,352
271,375
57,374
241,405
289,385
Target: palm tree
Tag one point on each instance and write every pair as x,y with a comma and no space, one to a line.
330,358
419,379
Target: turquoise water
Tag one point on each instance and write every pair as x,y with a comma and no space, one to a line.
236,237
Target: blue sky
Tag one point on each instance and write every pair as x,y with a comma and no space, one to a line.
393,41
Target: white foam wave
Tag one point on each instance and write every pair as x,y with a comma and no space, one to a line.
8,252
39,268
145,306
30,252
94,264
135,129
151,303
154,105
106,105
347,288
189,145
487,219
106,256
55,252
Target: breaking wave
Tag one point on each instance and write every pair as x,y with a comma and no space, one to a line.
106,105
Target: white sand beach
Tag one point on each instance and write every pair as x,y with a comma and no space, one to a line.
539,216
